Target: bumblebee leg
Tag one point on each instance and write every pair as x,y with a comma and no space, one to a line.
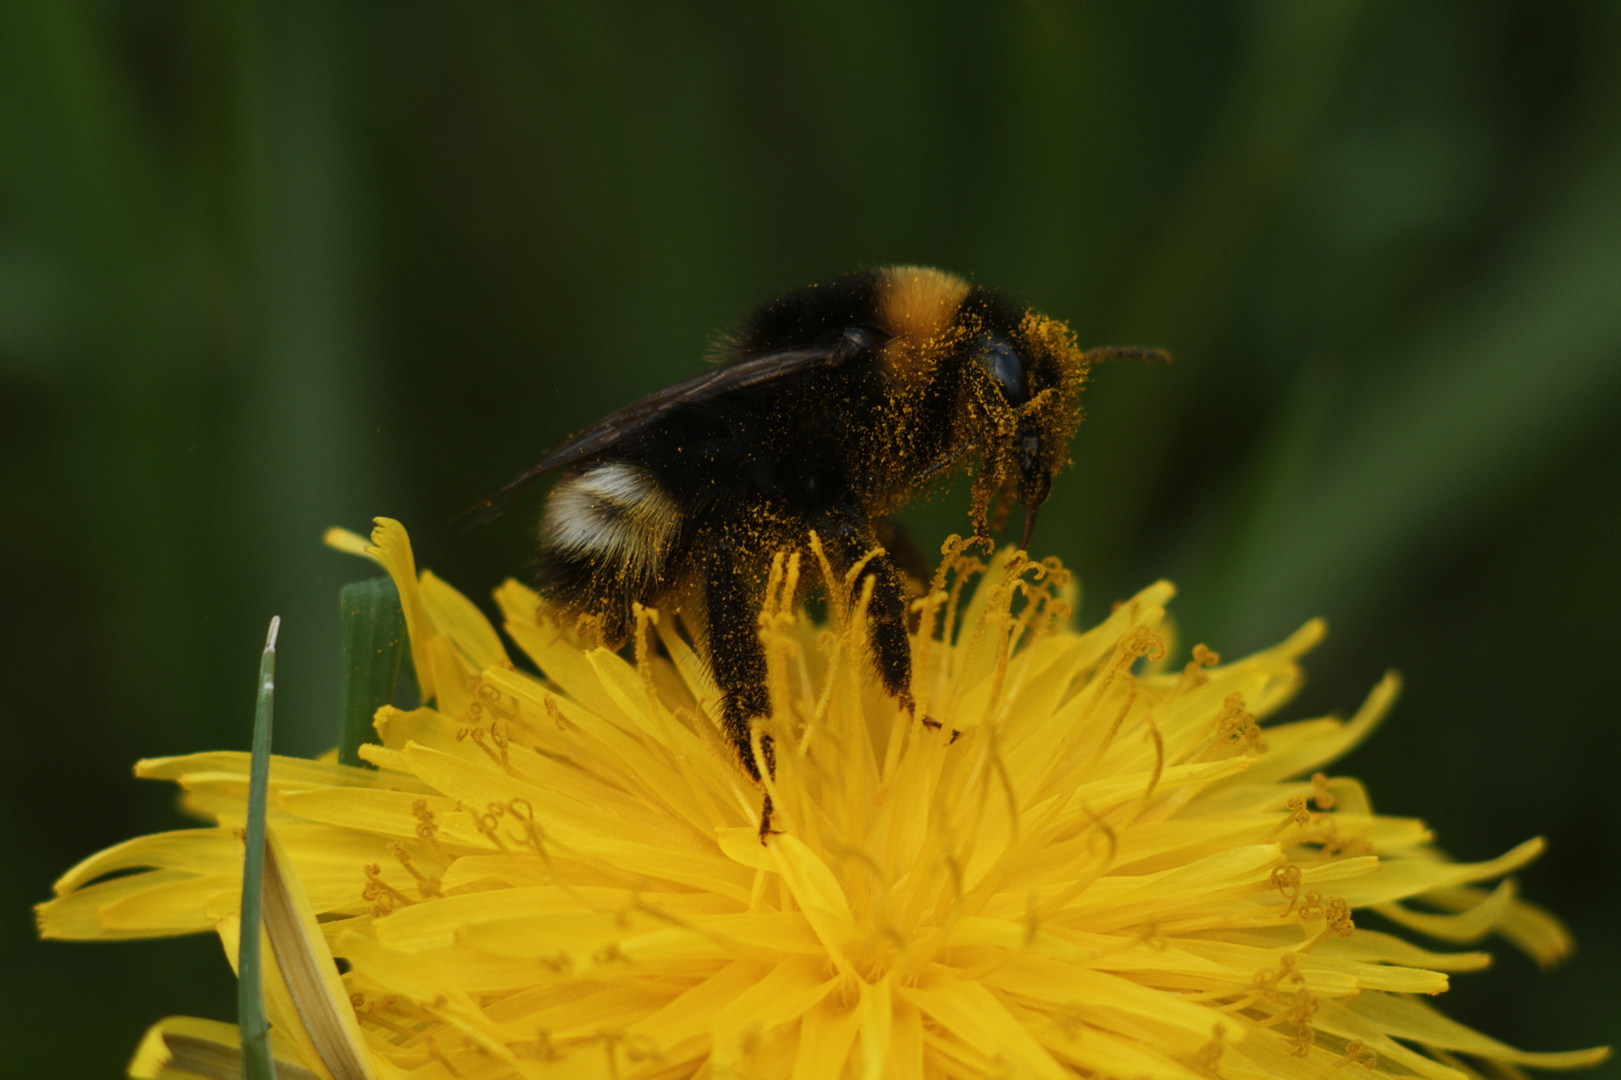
886,629
735,653
851,538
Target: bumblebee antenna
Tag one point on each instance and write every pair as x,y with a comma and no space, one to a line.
1125,352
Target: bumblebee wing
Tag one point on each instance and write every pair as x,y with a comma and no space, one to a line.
641,415
653,409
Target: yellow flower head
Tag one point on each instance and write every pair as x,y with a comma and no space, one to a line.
1076,860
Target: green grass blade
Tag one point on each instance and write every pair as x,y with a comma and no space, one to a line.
250,992
373,641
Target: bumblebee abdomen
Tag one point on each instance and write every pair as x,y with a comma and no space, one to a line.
605,536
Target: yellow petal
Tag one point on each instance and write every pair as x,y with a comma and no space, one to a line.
179,1047
825,1039
1296,749
1462,927
285,772
309,970
1040,980
690,1015
817,891
1400,878
1534,930
391,547
158,903
877,1019
350,543
784,995
977,1017
200,851
460,620
1389,1015
1373,947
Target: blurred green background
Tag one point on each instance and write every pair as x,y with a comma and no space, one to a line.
267,268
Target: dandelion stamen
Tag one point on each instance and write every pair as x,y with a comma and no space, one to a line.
1151,733
1358,1053
1321,795
1286,879
1209,1055
377,889
427,886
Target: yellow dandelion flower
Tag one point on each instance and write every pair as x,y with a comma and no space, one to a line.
1076,860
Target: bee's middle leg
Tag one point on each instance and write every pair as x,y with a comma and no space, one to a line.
850,538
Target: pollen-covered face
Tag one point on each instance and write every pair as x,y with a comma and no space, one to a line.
1036,373
1055,372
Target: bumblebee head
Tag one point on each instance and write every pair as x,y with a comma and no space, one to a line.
1019,374
1033,375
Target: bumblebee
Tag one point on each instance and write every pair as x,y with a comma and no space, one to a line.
828,408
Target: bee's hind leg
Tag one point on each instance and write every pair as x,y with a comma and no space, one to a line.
737,658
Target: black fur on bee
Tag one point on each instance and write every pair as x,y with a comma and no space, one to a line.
828,408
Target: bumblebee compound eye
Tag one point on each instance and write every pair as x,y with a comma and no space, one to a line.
1006,366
